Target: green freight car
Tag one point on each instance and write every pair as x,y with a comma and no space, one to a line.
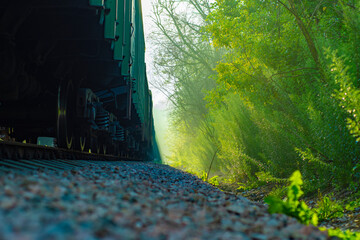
75,71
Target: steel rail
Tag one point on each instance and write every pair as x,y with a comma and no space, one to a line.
15,156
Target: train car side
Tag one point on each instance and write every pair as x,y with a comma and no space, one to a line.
75,71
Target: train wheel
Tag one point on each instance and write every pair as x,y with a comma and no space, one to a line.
95,147
65,115
82,143
104,148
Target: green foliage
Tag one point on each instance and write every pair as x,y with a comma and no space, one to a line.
348,95
213,180
263,88
266,177
315,170
268,86
203,176
243,187
292,206
346,235
278,192
327,209
284,85
352,205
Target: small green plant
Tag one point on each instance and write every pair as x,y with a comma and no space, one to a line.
352,205
278,191
328,209
266,177
242,187
346,235
213,181
247,186
292,206
203,176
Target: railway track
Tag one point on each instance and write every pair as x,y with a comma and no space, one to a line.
134,200
15,156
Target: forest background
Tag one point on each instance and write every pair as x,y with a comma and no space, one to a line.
260,88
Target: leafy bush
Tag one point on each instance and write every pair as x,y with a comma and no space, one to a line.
292,206
326,209
348,95
265,94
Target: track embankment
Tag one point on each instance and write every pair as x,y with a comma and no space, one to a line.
132,200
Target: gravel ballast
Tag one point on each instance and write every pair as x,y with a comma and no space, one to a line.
131,200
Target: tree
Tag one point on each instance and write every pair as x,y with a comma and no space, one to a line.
184,63
277,66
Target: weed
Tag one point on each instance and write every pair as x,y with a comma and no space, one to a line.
352,205
292,206
278,191
213,181
328,209
346,235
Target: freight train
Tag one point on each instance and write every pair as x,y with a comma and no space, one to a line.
74,70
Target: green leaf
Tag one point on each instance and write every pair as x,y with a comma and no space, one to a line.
276,205
314,219
296,178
